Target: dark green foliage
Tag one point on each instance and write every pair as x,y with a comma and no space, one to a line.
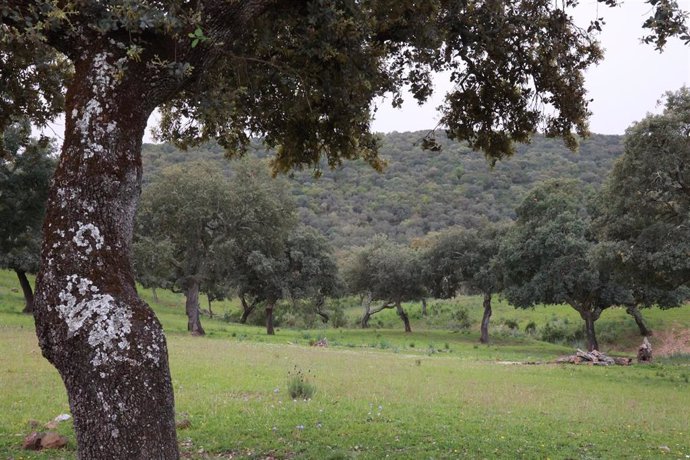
390,272
418,192
312,271
25,174
644,208
182,216
548,256
463,258
153,260
32,82
460,319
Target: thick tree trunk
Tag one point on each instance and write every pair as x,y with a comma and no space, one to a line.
247,309
26,289
366,305
485,319
403,316
423,307
103,339
154,294
269,318
192,308
635,312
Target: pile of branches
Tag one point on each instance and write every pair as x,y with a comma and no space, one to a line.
595,358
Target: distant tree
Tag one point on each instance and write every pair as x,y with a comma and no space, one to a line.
263,215
25,172
311,270
188,210
548,256
644,209
154,261
465,257
388,272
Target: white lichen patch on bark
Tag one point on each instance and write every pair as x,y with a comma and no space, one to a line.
81,240
102,81
107,322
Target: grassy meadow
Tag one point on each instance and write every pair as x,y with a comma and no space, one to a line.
380,393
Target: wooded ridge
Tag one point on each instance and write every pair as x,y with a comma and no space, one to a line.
419,191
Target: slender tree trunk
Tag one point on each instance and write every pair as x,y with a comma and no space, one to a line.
103,339
590,333
26,289
192,308
424,307
247,309
154,294
366,305
403,316
320,302
269,318
635,312
210,311
485,319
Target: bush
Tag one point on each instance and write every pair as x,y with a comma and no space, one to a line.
299,386
338,318
531,328
511,324
560,331
461,319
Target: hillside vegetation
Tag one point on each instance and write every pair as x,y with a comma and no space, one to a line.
420,191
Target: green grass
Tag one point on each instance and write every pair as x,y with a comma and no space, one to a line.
378,396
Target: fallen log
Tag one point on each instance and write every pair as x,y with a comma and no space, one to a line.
594,357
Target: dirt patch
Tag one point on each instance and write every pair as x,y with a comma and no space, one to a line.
671,342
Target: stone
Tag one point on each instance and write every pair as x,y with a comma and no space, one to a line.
33,441
52,425
183,424
52,440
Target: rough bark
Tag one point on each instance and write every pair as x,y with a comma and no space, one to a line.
485,319
192,308
403,316
590,317
269,318
366,305
319,304
635,312
26,289
103,339
247,309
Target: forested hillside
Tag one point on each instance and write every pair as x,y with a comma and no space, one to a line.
420,191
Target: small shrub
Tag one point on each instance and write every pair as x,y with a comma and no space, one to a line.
299,386
531,328
559,331
511,324
461,319
338,318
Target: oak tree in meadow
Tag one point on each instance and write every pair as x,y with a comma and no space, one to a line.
302,75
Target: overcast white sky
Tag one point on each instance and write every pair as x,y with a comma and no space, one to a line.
625,86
